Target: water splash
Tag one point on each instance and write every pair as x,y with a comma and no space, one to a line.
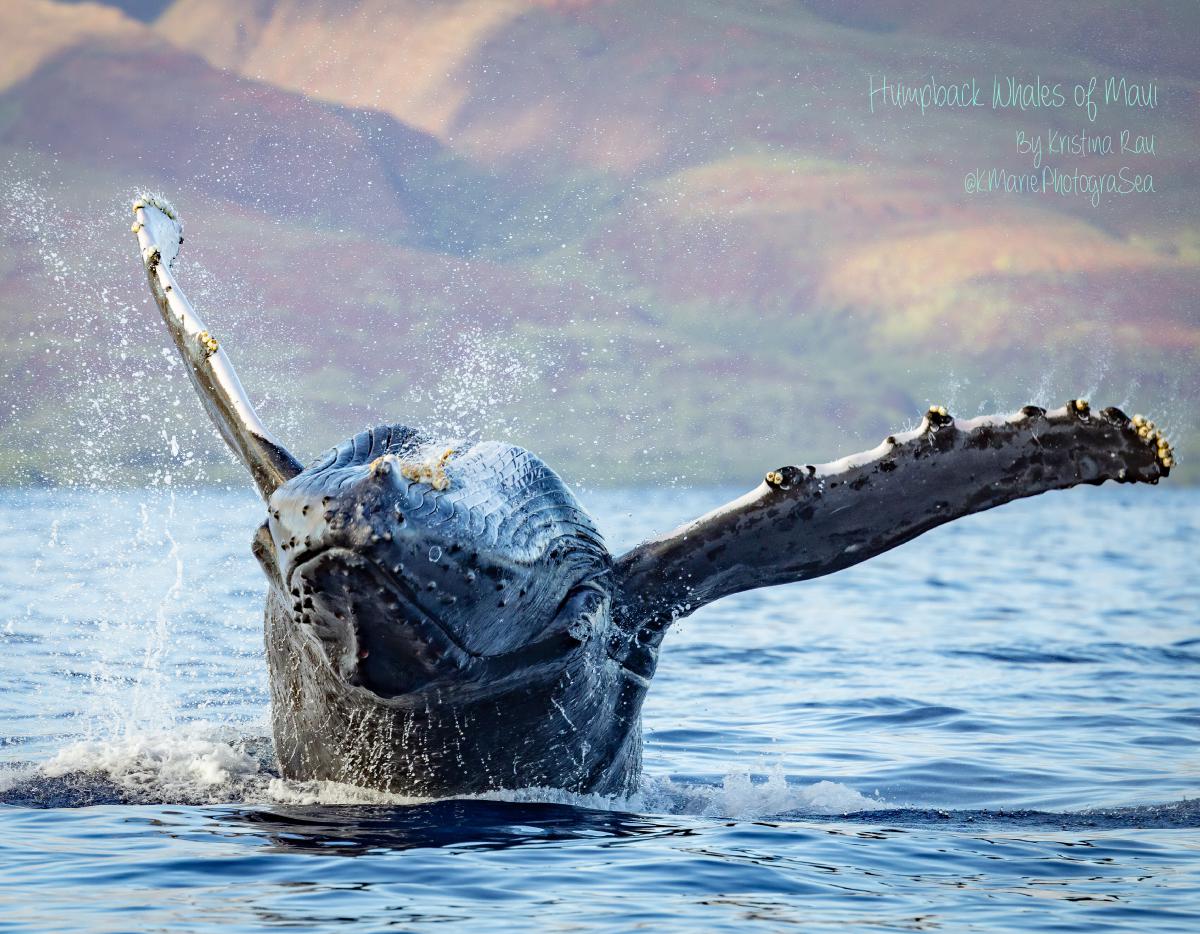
480,379
189,765
205,763
149,703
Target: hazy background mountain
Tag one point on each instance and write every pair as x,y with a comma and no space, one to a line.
649,240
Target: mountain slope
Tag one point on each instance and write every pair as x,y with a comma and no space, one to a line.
399,57
650,240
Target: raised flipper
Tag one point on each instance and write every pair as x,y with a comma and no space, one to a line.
803,522
159,234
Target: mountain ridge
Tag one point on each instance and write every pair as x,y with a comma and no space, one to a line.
665,276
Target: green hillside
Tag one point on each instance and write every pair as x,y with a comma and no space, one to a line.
653,242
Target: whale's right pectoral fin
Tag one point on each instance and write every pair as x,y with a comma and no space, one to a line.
803,522
160,234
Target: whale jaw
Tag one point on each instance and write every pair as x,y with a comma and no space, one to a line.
371,626
560,713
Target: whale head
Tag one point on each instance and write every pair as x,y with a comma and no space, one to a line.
418,566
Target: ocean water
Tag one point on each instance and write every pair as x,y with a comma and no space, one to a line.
991,728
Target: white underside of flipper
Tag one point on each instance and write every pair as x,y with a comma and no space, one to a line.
160,226
160,233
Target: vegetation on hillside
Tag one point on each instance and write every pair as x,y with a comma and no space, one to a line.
652,241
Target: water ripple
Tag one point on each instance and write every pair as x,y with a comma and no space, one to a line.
982,745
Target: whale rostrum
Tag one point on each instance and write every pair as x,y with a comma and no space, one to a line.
445,618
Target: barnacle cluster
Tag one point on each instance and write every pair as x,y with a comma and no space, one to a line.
1150,433
431,470
937,416
208,343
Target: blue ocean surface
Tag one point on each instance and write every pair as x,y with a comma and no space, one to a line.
993,727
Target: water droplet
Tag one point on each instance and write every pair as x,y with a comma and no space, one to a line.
435,554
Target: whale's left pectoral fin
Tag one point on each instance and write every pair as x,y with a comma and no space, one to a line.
803,522
160,234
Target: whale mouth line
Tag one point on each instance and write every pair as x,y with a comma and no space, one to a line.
414,612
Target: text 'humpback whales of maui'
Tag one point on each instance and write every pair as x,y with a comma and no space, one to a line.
446,620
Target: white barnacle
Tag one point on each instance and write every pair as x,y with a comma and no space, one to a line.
208,343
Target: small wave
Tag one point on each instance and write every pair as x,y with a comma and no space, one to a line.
1175,815
1019,656
740,796
1101,652
913,715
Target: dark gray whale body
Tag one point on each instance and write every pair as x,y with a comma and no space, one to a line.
445,618
439,641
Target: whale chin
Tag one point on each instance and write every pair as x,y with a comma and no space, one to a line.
380,635
375,632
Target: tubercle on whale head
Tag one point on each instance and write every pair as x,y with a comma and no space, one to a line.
937,417
1153,435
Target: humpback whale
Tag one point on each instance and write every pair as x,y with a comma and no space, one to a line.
444,618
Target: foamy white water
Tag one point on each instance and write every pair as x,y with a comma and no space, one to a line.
201,763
